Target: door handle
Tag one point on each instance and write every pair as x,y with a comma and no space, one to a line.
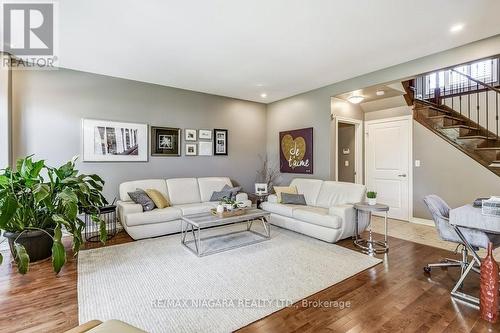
402,175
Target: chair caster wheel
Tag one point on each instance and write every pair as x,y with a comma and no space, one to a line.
427,269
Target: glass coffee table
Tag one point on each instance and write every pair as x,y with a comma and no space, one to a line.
192,227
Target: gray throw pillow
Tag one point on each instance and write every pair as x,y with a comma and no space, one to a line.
233,190
219,195
141,197
293,199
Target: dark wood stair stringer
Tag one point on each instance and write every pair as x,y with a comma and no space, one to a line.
461,132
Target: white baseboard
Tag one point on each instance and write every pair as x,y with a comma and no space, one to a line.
418,220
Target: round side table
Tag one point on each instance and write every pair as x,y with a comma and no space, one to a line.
370,245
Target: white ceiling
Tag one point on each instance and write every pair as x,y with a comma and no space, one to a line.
241,48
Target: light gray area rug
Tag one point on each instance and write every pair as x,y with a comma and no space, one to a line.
160,286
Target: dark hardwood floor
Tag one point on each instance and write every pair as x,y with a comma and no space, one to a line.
394,296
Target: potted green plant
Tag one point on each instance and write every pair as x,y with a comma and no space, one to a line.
372,198
34,209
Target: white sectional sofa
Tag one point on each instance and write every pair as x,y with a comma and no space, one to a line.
329,214
186,196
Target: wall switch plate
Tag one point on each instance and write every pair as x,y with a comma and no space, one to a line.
346,163
417,163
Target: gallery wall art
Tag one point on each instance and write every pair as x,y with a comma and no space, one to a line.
165,141
220,141
296,151
112,141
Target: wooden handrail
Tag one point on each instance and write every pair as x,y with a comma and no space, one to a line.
489,86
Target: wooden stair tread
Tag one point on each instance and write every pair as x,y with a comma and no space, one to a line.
488,148
461,126
476,137
446,116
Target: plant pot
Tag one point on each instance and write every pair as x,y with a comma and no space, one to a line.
37,243
372,201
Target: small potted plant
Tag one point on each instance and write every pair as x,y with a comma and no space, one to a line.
372,198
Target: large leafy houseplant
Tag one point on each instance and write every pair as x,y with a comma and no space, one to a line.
38,197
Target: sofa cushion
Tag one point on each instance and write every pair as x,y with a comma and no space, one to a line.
196,208
309,188
158,184
209,185
183,191
277,208
154,216
218,196
234,190
142,198
293,199
158,198
284,189
339,193
318,216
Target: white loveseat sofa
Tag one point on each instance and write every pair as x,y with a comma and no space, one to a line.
186,196
329,214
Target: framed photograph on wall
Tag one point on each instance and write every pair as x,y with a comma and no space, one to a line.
165,141
190,135
220,142
113,141
205,134
191,149
205,148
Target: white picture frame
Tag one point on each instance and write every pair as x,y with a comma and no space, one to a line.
190,135
191,149
205,134
260,188
205,148
114,141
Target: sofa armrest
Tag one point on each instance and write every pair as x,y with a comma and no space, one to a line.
242,196
272,198
345,212
127,207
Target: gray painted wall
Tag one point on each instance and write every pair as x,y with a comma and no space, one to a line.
447,172
313,108
388,113
48,107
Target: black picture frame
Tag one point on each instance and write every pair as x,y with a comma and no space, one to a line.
221,140
165,141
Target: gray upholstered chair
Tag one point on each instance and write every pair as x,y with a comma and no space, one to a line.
476,238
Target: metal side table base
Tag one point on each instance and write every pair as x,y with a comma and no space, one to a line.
370,245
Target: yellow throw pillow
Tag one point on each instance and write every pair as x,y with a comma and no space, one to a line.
284,189
158,198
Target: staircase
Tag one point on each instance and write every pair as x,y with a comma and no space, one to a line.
462,110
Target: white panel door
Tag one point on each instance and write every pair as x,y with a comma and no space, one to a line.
387,164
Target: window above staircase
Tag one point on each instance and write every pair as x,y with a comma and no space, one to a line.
450,81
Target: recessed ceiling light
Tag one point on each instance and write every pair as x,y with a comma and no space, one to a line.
263,95
356,99
457,27
380,93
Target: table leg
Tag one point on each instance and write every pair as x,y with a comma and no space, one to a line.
356,226
475,261
385,227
